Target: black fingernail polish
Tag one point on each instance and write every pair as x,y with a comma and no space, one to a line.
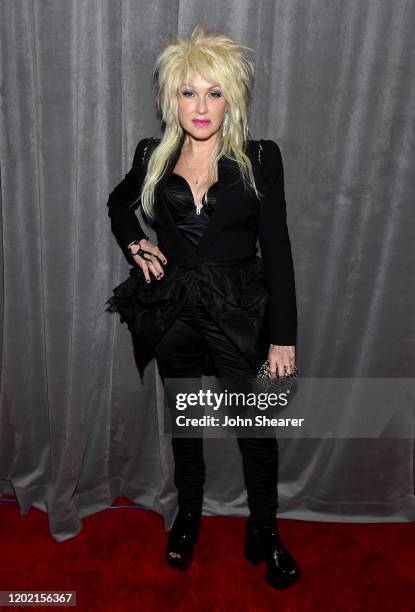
165,261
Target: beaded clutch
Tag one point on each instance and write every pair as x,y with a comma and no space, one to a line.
276,385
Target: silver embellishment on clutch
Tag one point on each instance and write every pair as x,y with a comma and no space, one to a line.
276,385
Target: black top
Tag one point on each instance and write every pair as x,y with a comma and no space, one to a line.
180,201
231,235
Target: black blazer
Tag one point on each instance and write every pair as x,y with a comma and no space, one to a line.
252,298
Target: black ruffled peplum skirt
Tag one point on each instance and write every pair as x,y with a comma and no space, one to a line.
236,295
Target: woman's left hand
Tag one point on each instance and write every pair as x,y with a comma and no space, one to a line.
280,356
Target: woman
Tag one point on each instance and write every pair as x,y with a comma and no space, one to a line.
201,300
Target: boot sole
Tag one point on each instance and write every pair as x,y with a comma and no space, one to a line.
255,557
277,583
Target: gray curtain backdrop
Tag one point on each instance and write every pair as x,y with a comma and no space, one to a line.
334,86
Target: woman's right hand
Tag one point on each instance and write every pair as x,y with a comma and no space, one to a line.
150,261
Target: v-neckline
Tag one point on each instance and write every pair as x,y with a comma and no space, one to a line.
214,219
190,189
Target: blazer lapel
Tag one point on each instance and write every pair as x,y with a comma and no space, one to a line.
225,178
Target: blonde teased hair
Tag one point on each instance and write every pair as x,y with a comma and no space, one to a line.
217,58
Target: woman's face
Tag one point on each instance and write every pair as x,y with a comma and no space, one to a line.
201,107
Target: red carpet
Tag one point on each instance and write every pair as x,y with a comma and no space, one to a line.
117,563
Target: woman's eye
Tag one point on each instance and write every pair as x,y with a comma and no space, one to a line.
215,94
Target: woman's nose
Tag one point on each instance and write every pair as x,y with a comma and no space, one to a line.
201,105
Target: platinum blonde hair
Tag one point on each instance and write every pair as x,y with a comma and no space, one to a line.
217,58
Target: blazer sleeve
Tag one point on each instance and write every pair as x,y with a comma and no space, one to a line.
275,247
125,199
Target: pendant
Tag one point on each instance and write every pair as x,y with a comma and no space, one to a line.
198,207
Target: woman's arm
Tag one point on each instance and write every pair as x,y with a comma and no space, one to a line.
125,199
122,203
276,249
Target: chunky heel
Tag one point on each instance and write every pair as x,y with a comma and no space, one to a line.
253,556
252,549
182,537
265,544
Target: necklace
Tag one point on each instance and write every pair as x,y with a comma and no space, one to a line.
197,202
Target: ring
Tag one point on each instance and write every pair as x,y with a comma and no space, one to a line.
142,252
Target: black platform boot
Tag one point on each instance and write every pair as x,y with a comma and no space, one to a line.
265,545
182,538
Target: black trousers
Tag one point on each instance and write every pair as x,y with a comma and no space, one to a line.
179,354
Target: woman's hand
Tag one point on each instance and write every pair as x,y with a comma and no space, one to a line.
280,357
150,261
